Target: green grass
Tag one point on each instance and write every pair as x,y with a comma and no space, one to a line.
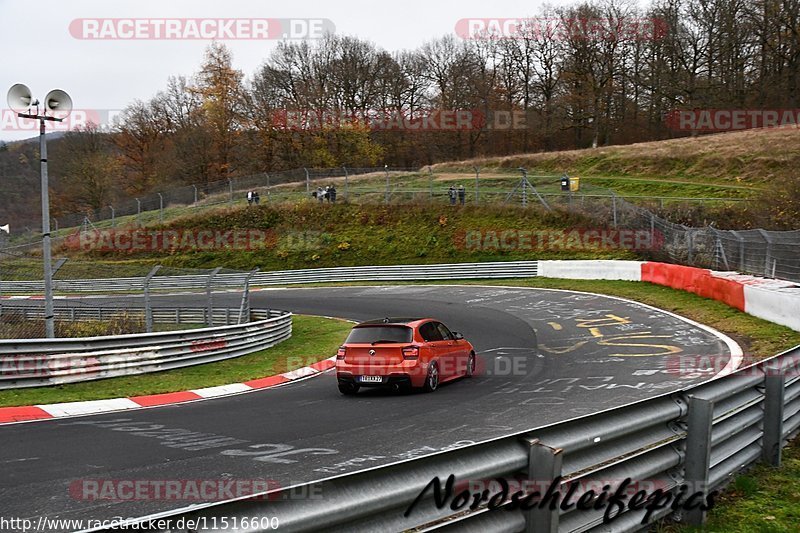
764,500
309,235
313,339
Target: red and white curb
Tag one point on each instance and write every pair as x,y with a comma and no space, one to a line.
10,415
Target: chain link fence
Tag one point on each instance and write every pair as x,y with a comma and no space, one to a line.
141,310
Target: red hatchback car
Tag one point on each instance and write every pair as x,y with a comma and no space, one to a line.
402,353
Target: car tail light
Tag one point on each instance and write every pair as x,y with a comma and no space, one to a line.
411,352
340,353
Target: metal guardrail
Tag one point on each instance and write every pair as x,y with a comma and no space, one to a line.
221,316
37,362
697,438
507,269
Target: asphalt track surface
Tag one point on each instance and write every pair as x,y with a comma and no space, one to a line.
593,353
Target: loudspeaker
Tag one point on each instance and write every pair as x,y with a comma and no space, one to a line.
20,98
58,103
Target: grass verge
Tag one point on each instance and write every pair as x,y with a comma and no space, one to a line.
313,339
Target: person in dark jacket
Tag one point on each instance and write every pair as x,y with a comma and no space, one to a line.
462,195
451,193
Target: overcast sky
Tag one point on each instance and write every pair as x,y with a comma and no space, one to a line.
41,52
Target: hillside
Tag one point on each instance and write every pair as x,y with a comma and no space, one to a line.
754,157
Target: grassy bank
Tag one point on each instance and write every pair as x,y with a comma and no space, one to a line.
751,158
313,339
310,235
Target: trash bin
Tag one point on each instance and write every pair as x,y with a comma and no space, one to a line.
574,184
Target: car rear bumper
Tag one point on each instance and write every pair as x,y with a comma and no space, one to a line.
407,373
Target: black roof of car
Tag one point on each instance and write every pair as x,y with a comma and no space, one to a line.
389,321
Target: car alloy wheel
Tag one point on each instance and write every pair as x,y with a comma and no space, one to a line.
470,365
432,379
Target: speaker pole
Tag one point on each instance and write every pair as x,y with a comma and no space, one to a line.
49,319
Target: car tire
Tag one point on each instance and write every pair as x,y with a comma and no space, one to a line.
348,389
471,361
432,378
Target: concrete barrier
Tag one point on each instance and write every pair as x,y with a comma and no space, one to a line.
592,269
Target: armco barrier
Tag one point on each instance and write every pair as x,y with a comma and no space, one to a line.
689,442
510,269
37,362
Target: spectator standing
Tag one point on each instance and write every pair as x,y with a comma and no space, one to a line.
249,197
332,193
320,194
256,197
462,195
451,193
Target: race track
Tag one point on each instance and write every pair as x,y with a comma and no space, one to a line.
593,353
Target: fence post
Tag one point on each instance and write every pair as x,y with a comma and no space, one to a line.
269,191
345,183
768,256
690,244
614,208
477,183
698,453
741,249
230,192
138,212
113,216
308,182
209,300
774,391
55,223
160,208
430,183
244,308
388,185
148,309
195,194
544,466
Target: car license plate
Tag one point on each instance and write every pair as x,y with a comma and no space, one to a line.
371,379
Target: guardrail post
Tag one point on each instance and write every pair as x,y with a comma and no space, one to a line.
209,300
148,309
544,466
775,388
698,453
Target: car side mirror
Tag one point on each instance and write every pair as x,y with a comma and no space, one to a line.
458,336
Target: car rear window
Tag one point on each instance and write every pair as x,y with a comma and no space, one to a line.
375,334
